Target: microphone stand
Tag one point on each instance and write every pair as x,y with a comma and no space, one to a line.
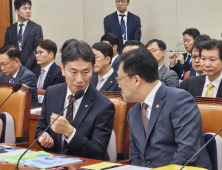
7,98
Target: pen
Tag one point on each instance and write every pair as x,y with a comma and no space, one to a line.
109,167
172,52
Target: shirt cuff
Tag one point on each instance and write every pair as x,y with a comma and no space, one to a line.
70,138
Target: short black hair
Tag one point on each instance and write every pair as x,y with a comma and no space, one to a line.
12,51
140,62
111,38
134,42
193,32
160,44
73,50
198,40
19,3
48,45
211,44
105,49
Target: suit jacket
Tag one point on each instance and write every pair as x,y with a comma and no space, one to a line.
25,76
32,34
93,122
116,64
54,75
194,85
192,72
170,77
174,131
112,25
109,85
179,68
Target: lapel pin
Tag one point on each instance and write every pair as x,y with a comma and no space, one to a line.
157,106
86,105
110,81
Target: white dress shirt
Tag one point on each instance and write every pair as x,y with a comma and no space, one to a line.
46,68
106,76
150,98
23,27
76,105
125,20
14,75
216,84
113,59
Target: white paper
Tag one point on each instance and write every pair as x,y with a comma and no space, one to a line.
129,167
36,110
13,153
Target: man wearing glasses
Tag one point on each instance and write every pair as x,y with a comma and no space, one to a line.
158,49
13,71
122,23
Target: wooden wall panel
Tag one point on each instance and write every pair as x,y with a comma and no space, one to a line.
4,19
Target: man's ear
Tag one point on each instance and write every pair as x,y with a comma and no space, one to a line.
108,59
137,80
63,69
164,52
51,55
16,11
115,47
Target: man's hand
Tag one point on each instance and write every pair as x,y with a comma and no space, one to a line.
46,141
180,58
61,125
172,58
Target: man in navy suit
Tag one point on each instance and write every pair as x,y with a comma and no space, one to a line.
84,130
104,80
47,73
165,125
125,25
112,40
25,33
13,71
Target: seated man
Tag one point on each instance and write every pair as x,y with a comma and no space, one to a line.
112,40
105,80
165,125
209,84
196,69
87,131
158,49
13,71
132,44
47,73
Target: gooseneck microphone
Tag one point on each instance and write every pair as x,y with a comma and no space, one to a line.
15,88
201,149
77,95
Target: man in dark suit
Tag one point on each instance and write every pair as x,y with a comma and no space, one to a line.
104,80
24,34
84,130
125,25
13,71
209,84
112,40
165,125
47,73
158,49
184,60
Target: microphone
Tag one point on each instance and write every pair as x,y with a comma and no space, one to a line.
201,149
15,88
77,95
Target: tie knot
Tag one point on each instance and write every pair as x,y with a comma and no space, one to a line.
43,70
144,106
70,97
122,15
21,25
101,79
210,86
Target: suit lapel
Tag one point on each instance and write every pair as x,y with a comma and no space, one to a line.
94,80
219,91
20,73
129,24
199,85
109,82
116,23
115,62
162,71
156,109
27,30
84,107
15,33
49,74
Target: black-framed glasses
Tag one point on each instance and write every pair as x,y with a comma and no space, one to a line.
5,64
118,79
122,2
154,50
195,57
39,53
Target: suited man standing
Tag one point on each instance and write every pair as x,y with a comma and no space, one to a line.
183,63
13,71
125,25
112,40
105,80
84,130
47,73
25,33
209,84
162,129
158,49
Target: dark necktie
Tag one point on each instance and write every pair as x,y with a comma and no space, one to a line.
188,59
69,114
20,33
122,23
144,116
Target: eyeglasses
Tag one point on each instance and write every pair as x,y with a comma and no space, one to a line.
154,50
122,2
39,53
118,79
195,57
5,64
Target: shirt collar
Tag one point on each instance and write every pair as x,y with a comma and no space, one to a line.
150,98
25,22
119,13
160,67
15,74
216,82
46,68
106,76
114,58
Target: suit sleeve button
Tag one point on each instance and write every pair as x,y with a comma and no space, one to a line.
148,162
